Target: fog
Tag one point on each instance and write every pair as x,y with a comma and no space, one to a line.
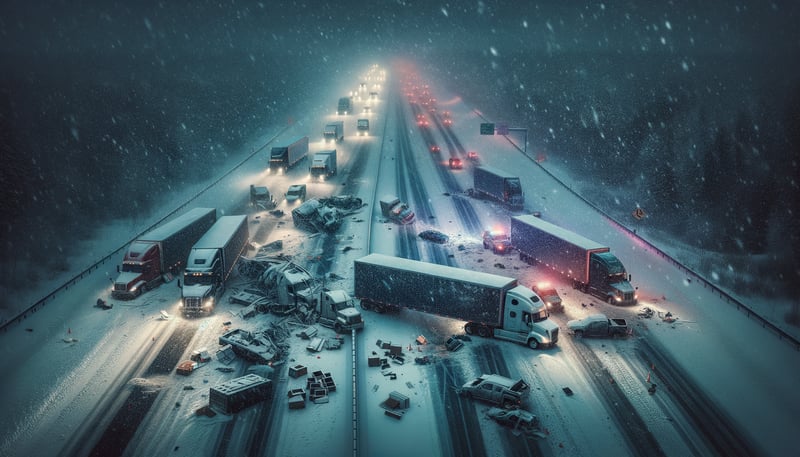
690,109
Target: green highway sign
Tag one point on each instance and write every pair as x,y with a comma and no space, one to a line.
487,128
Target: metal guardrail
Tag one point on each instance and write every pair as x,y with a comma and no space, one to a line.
64,287
750,313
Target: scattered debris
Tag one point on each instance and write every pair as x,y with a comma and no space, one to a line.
102,304
225,369
396,405
453,344
568,391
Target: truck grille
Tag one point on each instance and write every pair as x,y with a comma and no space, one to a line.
192,302
120,287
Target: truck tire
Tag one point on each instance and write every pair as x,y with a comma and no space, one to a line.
468,329
483,331
611,300
507,403
533,344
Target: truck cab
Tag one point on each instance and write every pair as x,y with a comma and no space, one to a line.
202,281
140,270
395,210
337,310
608,279
363,127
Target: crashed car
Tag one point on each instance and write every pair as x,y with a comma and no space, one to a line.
517,419
434,236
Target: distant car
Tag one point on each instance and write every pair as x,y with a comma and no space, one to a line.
367,110
455,163
498,241
548,293
434,236
447,121
296,193
517,419
472,156
435,148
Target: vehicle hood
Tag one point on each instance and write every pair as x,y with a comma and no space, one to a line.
127,277
548,325
575,323
196,290
623,286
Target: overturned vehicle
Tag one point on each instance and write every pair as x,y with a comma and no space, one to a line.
325,214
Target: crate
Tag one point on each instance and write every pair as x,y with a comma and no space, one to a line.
297,371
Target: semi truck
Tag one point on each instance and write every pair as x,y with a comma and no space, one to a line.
395,210
282,158
333,131
323,165
363,127
492,305
159,252
345,106
296,289
591,266
498,185
211,262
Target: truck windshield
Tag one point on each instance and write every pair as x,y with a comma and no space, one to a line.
193,279
542,315
133,267
619,277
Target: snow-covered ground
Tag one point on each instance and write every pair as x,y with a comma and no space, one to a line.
68,355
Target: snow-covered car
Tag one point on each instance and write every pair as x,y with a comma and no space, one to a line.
455,163
434,236
496,240
296,193
517,419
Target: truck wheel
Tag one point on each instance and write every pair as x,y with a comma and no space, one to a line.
483,331
468,329
533,344
611,300
508,404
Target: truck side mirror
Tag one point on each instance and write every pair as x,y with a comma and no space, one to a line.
629,278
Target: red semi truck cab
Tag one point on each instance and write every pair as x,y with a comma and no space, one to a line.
141,270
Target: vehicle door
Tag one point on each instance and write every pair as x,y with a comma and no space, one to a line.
597,328
486,391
